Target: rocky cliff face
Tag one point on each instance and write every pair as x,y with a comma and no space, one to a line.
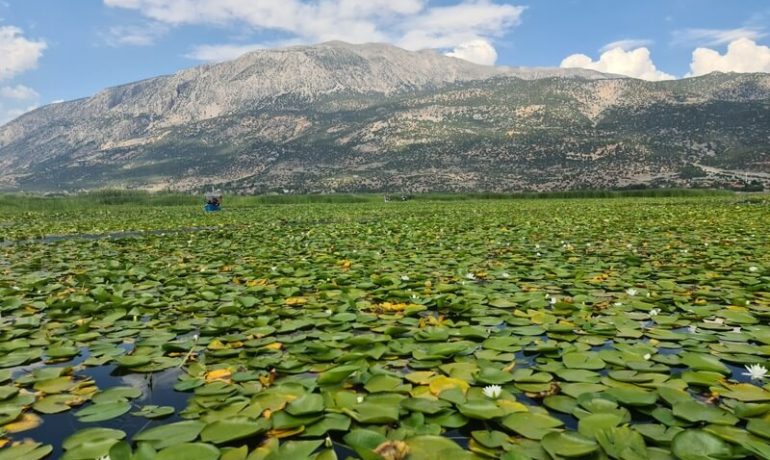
375,117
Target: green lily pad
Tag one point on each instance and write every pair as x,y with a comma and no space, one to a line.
152,411
102,412
704,362
490,439
480,409
306,404
189,451
116,394
700,445
623,443
53,404
131,361
171,434
530,425
91,443
632,396
435,448
592,424
568,444
694,411
745,392
27,450
583,360
223,431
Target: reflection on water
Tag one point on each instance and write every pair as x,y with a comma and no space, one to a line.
156,388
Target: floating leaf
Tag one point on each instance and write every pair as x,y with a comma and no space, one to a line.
222,431
700,445
168,435
531,425
189,451
104,411
568,444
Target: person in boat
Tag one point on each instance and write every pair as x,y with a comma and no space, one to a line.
213,201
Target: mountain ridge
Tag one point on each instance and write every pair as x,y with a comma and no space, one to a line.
337,116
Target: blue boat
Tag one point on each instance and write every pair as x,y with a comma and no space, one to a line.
213,202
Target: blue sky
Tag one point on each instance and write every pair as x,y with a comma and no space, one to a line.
59,50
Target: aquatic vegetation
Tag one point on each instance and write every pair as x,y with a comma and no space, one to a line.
409,330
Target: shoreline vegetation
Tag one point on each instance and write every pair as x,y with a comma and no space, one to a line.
37,202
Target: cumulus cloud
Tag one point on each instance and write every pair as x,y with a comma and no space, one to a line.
742,55
715,37
16,100
412,24
477,51
136,35
10,109
636,63
218,53
454,25
18,53
18,92
627,44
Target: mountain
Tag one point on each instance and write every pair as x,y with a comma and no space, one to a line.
341,117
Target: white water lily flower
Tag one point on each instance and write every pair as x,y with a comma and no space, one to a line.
360,399
104,457
655,312
328,311
756,371
404,278
537,254
470,276
553,301
631,291
537,246
272,269
647,357
737,330
195,337
753,269
492,391
692,329
617,304
505,275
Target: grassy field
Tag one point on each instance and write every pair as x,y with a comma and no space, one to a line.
432,328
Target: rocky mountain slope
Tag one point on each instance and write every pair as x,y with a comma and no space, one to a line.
340,117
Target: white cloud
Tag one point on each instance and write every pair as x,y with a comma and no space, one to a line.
136,35
18,53
477,51
10,109
18,92
627,44
714,37
742,55
218,53
636,63
412,24
451,26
